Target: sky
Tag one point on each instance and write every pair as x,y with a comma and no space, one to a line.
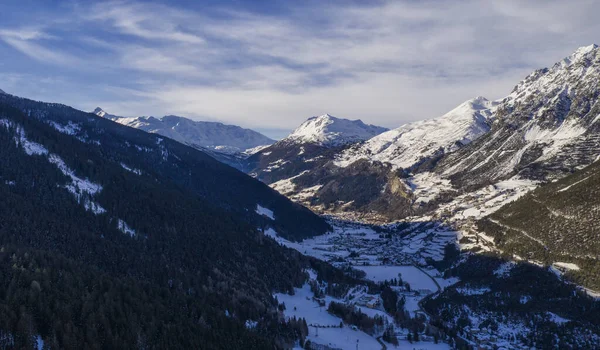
270,65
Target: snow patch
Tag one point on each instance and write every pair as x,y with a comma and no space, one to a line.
428,186
504,269
260,210
271,233
39,342
93,207
133,170
69,129
567,266
323,326
557,319
78,186
251,324
123,227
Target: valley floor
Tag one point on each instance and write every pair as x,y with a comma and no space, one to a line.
361,247
408,249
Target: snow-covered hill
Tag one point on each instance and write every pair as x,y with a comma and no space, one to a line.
217,137
412,143
327,130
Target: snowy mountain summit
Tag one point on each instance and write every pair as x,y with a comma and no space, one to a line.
99,112
218,137
327,130
546,128
411,143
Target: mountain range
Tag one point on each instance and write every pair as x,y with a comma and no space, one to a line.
477,228
213,136
544,129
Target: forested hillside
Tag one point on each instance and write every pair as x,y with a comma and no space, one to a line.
182,166
556,223
114,238
521,304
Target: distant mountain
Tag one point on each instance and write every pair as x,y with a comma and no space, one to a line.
217,137
311,145
413,143
328,131
132,239
2,92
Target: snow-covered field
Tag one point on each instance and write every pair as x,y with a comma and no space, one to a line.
301,305
415,277
323,327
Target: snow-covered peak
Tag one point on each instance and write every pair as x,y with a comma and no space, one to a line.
478,108
99,112
553,86
580,54
411,143
328,130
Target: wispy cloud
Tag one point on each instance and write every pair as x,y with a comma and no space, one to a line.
145,20
27,41
387,62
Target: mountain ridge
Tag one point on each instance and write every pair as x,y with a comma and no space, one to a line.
216,136
405,146
544,129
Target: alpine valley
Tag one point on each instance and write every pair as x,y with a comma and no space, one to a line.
477,229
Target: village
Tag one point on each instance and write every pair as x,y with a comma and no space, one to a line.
397,253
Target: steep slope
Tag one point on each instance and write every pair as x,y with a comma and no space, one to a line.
217,137
546,128
414,143
327,130
371,178
113,237
555,224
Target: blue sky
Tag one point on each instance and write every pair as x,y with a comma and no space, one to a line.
269,65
